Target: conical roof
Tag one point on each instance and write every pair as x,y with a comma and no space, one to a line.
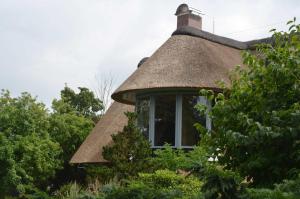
183,62
112,122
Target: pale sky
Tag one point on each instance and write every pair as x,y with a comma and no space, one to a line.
47,43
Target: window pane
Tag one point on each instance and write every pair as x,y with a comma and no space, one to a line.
165,107
190,116
142,110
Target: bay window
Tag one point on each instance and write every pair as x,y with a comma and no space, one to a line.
170,118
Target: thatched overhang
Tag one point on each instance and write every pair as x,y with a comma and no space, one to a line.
182,62
112,122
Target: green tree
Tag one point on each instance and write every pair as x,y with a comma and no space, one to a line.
70,123
28,156
69,130
257,120
83,103
130,151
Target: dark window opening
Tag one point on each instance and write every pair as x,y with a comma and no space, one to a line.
165,109
190,116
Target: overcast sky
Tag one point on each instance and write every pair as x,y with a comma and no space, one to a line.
47,43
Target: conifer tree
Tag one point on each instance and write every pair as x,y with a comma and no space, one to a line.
130,151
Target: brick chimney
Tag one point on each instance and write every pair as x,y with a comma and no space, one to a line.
186,17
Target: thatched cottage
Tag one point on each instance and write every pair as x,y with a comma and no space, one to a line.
164,88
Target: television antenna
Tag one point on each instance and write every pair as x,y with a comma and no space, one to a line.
199,12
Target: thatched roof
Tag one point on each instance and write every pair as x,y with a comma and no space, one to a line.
112,122
182,62
189,59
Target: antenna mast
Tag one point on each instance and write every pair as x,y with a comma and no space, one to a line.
213,25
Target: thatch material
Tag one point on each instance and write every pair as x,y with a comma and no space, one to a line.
112,122
182,62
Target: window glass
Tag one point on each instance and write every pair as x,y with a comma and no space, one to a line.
165,108
142,109
190,116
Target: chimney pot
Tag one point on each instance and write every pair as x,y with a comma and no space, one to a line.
186,17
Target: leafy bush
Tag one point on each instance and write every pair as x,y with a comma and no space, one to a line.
162,184
168,158
166,180
103,174
221,184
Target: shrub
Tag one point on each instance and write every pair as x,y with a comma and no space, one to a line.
221,184
288,189
103,174
166,181
169,158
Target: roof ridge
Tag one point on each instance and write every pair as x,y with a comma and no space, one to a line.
191,31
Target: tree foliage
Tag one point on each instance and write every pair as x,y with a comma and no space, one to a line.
36,145
69,126
130,150
69,130
256,121
28,155
83,103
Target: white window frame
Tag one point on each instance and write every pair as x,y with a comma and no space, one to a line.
152,121
178,120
